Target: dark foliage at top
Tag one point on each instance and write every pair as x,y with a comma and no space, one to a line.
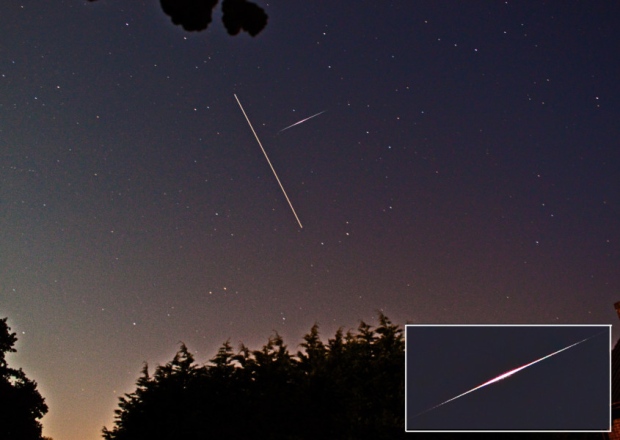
351,387
240,15
192,15
196,15
21,405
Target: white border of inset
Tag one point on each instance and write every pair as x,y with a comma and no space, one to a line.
609,333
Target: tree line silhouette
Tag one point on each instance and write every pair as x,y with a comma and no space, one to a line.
351,387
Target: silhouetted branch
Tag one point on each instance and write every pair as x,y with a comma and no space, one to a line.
196,15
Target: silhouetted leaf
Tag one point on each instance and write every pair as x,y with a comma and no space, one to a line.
193,15
242,15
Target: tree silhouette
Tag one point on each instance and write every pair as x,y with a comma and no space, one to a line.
21,405
196,15
350,388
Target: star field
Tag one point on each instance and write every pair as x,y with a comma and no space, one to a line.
464,171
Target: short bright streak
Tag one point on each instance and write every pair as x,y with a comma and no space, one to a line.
302,121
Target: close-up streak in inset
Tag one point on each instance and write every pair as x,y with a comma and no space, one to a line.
503,376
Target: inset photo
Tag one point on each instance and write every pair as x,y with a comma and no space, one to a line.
508,378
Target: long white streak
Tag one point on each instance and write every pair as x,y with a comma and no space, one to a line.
268,161
302,121
504,376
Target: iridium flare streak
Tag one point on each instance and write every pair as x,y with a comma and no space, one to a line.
268,161
302,121
504,376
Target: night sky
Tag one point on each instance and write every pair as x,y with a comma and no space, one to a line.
465,170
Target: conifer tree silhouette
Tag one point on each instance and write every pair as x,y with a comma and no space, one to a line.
21,405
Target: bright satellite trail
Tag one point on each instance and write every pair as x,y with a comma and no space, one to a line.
268,161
